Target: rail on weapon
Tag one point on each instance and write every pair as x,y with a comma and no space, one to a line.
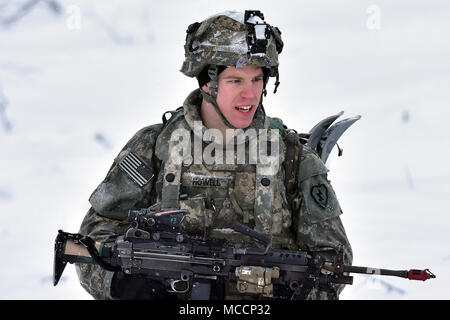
155,245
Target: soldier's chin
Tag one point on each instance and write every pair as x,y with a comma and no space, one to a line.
241,124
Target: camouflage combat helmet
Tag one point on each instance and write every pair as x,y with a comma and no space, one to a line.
231,39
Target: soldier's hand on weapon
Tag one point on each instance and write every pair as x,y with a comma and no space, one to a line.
138,287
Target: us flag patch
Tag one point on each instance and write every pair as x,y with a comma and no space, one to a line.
136,169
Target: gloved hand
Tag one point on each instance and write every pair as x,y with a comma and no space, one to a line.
138,287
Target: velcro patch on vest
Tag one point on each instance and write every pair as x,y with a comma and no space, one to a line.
136,169
197,180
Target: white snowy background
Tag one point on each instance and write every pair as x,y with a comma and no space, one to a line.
78,78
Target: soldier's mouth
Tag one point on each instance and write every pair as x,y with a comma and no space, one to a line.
244,108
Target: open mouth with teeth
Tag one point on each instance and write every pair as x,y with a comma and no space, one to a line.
244,108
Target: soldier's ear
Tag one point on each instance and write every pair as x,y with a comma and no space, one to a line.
205,87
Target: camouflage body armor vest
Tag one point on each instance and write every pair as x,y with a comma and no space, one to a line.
220,194
295,203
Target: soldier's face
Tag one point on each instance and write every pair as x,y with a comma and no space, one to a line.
239,93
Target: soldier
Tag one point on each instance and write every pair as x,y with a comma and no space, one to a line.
289,197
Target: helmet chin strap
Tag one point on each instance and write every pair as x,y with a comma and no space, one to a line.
212,96
209,98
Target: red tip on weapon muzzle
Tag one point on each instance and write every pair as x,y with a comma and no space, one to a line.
420,274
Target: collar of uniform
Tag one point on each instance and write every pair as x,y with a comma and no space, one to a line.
191,107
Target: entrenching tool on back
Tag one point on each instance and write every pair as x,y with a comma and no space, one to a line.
323,136
331,136
316,133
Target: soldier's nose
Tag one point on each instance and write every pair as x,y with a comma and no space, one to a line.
247,92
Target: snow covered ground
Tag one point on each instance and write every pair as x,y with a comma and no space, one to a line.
76,85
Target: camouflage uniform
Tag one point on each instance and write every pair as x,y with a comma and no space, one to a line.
238,196
217,194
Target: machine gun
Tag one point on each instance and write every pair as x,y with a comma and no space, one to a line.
156,246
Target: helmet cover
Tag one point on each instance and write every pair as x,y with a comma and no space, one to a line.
234,39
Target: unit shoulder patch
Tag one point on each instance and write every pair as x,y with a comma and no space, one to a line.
320,194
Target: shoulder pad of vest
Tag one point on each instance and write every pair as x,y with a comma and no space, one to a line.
139,152
310,164
277,123
174,115
144,139
140,148
129,177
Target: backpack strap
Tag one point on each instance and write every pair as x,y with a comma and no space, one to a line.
291,165
157,162
173,115
294,147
